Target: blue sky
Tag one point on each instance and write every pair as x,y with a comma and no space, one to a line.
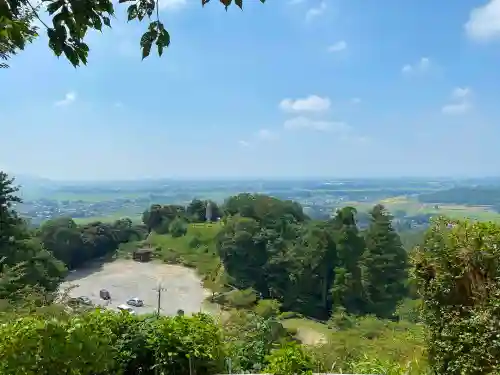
291,88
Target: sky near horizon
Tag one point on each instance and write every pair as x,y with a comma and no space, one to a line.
291,88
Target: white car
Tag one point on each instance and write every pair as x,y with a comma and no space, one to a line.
135,302
126,308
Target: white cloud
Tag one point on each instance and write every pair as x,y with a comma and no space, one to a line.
69,98
337,47
484,22
316,11
460,97
243,143
456,109
266,135
460,92
313,103
301,122
172,4
420,66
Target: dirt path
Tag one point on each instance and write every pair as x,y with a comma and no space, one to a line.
311,337
126,279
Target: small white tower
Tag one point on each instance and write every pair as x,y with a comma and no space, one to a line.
208,213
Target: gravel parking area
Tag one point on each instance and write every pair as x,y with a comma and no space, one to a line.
125,279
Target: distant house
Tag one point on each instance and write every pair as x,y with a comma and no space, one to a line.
142,255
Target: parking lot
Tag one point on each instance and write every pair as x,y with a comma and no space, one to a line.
125,279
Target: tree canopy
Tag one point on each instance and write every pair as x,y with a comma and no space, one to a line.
71,22
24,262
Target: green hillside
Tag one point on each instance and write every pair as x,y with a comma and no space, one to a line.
196,249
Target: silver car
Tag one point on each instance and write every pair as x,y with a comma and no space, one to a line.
135,302
126,308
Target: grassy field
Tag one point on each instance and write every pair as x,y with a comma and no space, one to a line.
413,207
196,249
107,219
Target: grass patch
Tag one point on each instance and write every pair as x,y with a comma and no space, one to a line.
107,219
195,250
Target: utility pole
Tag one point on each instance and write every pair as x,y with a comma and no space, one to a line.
159,289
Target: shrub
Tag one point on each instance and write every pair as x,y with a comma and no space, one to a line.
178,228
290,359
457,271
267,308
111,343
163,227
239,299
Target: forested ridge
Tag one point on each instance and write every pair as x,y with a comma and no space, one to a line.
309,266
368,291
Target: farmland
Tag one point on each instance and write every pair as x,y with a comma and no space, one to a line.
405,198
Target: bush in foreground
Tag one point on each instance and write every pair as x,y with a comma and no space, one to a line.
109,343
457,270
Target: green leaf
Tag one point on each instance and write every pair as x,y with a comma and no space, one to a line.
146,50
132,12
71,55
96,21
54,6
106,21
163,39
239,3
146,42
59,19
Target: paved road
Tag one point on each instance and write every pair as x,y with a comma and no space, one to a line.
126,279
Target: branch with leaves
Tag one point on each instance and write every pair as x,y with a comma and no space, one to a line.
72,19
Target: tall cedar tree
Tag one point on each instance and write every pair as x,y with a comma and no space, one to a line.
347,289
384,265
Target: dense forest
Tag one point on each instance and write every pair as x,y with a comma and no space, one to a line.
362,284
310,266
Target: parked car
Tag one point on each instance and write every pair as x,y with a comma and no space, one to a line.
104,294
83,300
135,302
127,309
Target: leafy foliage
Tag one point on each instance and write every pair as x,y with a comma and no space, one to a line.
73,19
23,260
178,228
76,244
16,31
312,267
267,308
250,339
457,270
106,342
291,359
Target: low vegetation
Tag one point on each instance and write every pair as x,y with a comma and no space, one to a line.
374,307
